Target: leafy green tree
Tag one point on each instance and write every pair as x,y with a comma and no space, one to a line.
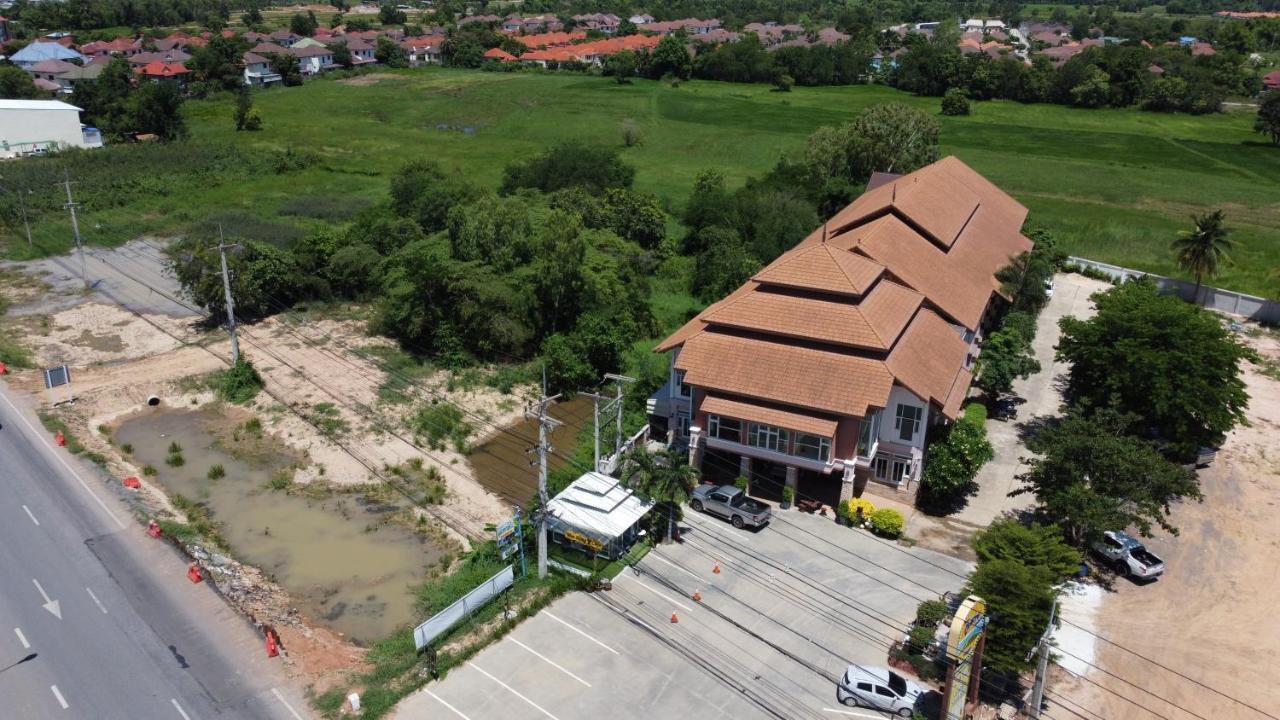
569,164
303,24
494,229
263,277
955,102
246,116
664,477
1201,249
1038,546
710,203
724,264
670,57
1090,476
559,280
425,191
1268,121
1018,602
389,53
635,216
341,55
287,67
1005,357
1026,278
1171,364
886,138
354,271
157,109
621,66
16,84
217,63
1094,90
415,295
389,14
954,455
782,82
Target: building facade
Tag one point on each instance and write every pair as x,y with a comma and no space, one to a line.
826,369
33,127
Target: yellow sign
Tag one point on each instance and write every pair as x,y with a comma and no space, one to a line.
584,540
967,626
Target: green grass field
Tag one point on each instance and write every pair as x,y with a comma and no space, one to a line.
1115,185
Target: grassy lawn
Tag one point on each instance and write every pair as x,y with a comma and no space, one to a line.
1115,185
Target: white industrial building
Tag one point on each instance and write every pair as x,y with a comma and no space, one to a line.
35,127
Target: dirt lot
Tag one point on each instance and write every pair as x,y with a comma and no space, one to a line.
1212,615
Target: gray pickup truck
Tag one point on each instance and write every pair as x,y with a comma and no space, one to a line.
1129,557
730,503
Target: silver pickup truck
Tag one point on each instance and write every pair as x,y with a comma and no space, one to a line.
1128,556
730,503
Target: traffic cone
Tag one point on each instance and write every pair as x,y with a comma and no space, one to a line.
3,370
131,482
716,569
59,439
272,649
153,529
193,573
674,619
697,596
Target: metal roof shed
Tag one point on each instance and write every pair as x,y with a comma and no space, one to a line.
596,514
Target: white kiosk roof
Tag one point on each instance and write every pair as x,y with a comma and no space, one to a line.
598,504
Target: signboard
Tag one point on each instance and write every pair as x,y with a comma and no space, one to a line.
583,540
56,377
965,637
506,535
464,606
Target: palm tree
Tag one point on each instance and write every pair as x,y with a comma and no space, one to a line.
664,477
1199,250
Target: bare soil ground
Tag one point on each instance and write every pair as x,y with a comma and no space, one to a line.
1212,615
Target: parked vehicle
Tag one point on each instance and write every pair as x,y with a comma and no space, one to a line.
878,688
731,504
1129,557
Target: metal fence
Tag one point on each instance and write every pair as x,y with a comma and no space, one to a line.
1227,301
461,608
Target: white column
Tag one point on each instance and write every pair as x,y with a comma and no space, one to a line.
846,482
695,451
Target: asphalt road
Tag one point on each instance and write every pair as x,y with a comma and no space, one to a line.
97,620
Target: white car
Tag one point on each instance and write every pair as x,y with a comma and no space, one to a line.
878,688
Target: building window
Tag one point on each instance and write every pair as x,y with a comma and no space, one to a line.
881,466
868,432
767,437
681,389
907,421
724,428
901,468
813,447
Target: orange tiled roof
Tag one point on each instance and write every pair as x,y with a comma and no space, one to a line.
551,39
820,267
828,381
822,426
928,357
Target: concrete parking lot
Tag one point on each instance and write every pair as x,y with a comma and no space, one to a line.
792,606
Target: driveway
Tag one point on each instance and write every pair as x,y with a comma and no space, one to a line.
792,606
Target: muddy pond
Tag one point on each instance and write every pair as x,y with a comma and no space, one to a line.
344,567
501,463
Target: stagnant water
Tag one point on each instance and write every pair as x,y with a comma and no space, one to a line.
343,568
501,464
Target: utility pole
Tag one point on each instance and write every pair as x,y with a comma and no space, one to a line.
1042,664
618,382
75,230
611,405
231,306
545,424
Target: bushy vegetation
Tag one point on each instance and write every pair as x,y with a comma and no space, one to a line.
441,423
887,522
239,383
855,510
955,454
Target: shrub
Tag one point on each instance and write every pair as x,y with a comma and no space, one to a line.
931,612
887,522
788,494
149,470
952,462
922,636
175,460
955,102
127,448
175,448
742,483
848,510
240,383
439,423
215,472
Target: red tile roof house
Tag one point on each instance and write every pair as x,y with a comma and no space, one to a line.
159,71
824,370
1271,81
425,49
692,26
120,46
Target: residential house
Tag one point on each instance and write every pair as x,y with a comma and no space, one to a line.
1202,49
485,19
771,33
310,41
142,59
717,36
4,29
424,50
589,53
160,71
606,23
691,26
499,54
258,71
1271,81
122,47
54,71
825,370
39,51
284,37
550,40
514,24
640,19
312,60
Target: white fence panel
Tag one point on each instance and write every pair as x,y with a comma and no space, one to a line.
464,606
1226,301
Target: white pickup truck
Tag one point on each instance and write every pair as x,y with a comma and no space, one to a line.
1128,557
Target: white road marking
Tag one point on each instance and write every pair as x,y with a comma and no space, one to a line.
704,525
31,515
286,704
22,639
96,601
659,558
513,691
63,462
551,662
580,632
50,605
854,714
639,582
455,710
178,707
61,700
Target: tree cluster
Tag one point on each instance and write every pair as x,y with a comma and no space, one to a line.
118,104
747,61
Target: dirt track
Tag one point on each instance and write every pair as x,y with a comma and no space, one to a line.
1212,616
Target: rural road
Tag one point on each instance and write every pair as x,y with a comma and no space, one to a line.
97,620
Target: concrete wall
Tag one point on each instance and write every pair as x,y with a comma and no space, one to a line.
889,433
26,130
1227,301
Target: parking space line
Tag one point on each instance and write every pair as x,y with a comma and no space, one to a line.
455,710
58,694
22,639
641,583
30,515
580,632
178,707
96,601
513,691
551,662
286,704
854,714
659,558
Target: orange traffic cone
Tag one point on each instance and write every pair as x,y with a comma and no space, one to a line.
697,596
193,573
153,529
674,619
131,482
272,649
3,370
716,569
60,440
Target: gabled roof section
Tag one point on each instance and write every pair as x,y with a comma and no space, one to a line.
928,358
792,375
823,268
820,425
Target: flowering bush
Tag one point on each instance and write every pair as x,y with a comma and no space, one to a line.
848,510
887,522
